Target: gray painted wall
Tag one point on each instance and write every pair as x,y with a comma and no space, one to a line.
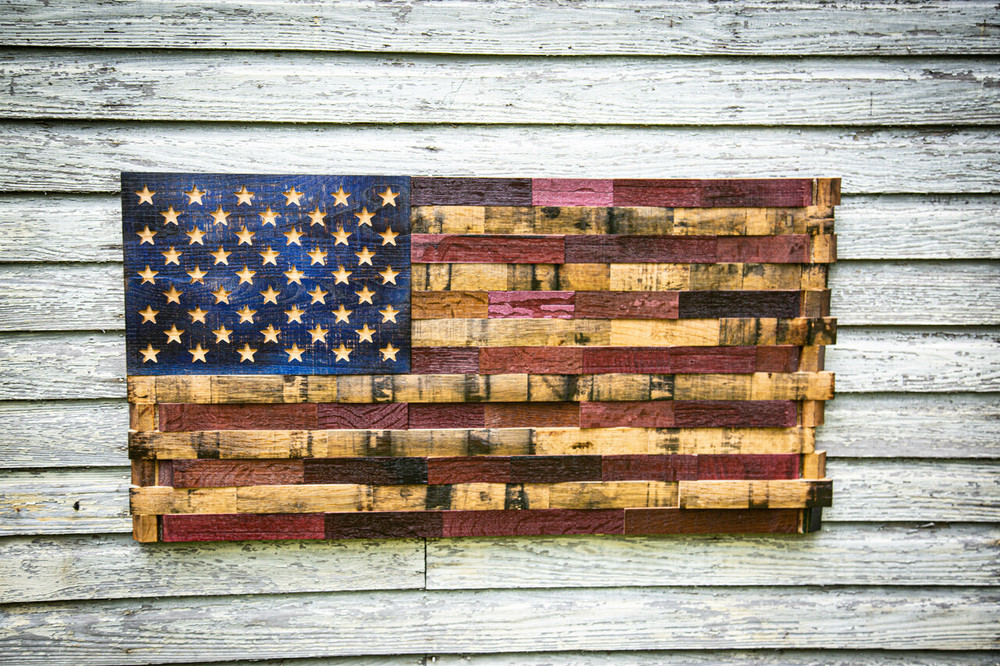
900,99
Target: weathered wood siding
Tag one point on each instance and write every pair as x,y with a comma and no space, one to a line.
901,99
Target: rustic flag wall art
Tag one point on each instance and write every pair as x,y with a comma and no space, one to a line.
328,357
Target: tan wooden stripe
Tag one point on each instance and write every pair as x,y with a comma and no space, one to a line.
619,220
786,494
814,465
317,498
279,444
367,389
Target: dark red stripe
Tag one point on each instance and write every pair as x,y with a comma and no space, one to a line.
554,469
538,360
371,417
677,467
571,192
475,469
726,413
455,248
626,305
370,471
186,417
242,526
384,525
531,304
533,415
712,521
750,304
748,466
782,358
602,249
470,192
785,249
627,414
449,415
696,360
533,522
713,193
226,473
444,360
656,360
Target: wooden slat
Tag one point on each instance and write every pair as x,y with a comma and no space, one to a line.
753,494
464,442
320,498
461,622
88,228
620,27
76,157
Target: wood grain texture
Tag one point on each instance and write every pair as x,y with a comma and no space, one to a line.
77,157
532,522
241,527
729,657
470,191
641,249
571,192
930,619
444,360
294,87
623,28
87,227
709,521
863,293
626,305
214,473
445,304
454,248
532,305
698,194
181,417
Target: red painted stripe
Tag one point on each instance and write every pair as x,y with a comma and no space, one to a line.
555,469
537,360
638,249
384,525
678,467
533,415
474,469
450,415
753,193
627,414
786,249
532,522
454,248
781,358
627,305
470,191
226,473
748,466
370,417
531,304
712,521
444,360
571,192
656,360
242,526
187,417
726,413
696,360
381,470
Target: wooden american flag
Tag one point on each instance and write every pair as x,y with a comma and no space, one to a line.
583,357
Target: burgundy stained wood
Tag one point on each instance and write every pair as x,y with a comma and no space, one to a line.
468,469
384,525
678,193
748,466
242,526
532,522
227,473
369,417
712,521
447,415
677,467
777,358
444,360
784,249
531,304
627,304
470,192
653,360
165,473
627,414
486,249
749,304
571,192
734,413
532,415
187,417
816,303
371,471
603,249
534,360
554,469
724,360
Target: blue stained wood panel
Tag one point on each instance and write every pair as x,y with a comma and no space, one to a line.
331,250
